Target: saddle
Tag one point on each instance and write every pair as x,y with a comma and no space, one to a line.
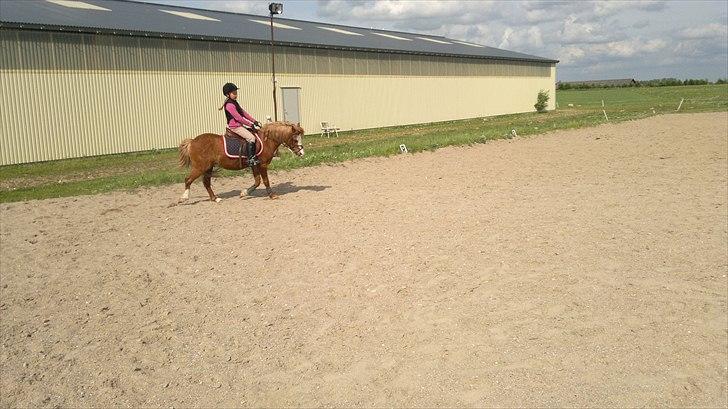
236,147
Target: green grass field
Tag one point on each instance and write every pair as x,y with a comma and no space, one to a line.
699,98
128,171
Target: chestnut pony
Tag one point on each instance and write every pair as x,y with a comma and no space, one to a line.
206,151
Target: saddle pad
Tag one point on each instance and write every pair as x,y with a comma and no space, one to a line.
232,147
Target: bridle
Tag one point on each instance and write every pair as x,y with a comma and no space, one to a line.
298,148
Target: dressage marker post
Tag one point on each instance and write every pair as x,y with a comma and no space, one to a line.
403,148
681,102
605,112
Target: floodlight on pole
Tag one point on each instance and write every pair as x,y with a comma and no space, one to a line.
274,8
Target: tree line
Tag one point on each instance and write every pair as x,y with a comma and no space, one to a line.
660,82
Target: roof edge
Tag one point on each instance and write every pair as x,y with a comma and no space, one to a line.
153,34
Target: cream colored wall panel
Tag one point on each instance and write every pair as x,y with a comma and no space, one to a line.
121,111
386,101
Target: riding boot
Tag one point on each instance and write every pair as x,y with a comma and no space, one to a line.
252,159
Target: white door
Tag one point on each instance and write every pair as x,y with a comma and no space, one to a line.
290,105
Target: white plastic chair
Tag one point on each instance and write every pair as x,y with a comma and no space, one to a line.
327,130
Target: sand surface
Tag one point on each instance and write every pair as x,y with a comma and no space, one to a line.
578,268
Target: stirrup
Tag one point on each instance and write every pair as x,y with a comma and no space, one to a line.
252,157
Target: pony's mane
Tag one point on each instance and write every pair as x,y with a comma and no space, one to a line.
281,130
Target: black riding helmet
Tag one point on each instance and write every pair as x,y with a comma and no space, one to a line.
228,88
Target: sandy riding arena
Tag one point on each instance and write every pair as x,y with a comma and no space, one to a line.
578,268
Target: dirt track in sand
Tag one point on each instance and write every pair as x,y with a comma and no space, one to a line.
578,268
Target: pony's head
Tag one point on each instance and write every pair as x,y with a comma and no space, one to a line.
286,133
295,140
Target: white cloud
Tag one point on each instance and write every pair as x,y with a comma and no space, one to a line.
574,31
521,38
571,54
411,13
640,24
611,7
629,48
707,31
541,12
585,55
549,11
604,8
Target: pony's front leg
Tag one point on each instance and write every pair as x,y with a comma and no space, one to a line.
207,181
249,191
264,174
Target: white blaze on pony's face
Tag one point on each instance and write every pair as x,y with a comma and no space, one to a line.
299,142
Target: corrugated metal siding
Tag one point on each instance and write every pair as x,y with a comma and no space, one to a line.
73,51
387,101
112,94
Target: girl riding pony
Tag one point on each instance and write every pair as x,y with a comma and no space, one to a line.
239,121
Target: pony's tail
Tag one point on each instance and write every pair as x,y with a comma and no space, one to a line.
184,153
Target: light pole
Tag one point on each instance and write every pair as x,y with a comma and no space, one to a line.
274,8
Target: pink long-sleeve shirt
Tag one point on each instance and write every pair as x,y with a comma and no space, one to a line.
238,120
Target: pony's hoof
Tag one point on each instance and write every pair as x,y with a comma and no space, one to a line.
273,196
185,196
217,200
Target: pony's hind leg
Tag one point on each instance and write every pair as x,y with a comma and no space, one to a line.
207,181
194,174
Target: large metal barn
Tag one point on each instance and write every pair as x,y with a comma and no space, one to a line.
93,77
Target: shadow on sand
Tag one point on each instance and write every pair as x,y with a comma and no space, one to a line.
281,190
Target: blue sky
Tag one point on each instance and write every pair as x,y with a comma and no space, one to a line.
593,40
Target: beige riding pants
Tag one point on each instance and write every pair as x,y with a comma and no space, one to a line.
244,133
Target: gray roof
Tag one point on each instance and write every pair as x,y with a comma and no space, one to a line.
147,19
